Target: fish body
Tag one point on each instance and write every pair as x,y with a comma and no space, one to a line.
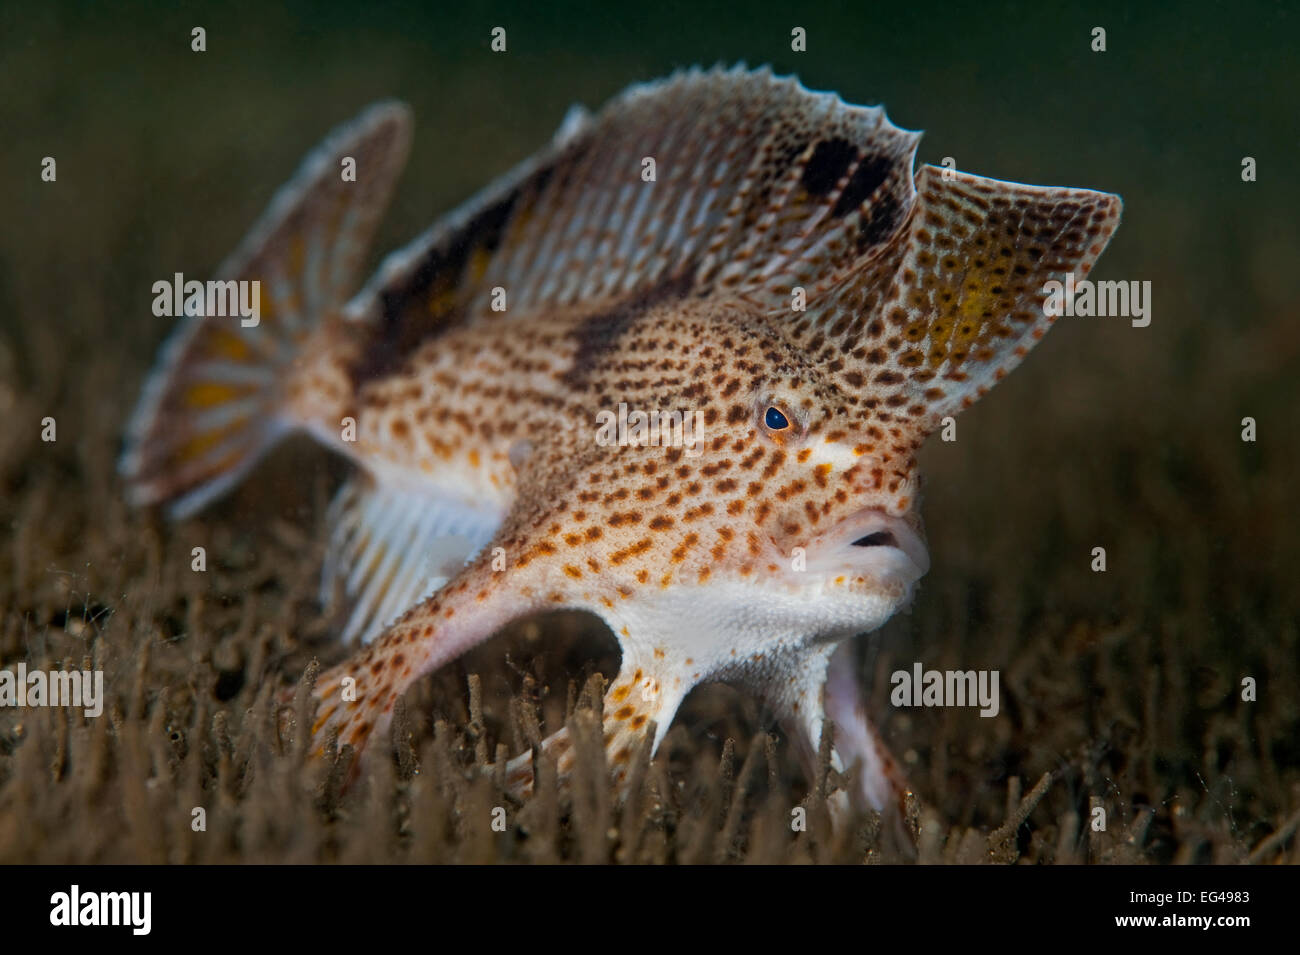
724,249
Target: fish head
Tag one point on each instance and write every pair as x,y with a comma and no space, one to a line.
811,487
837,496
794,508
776,499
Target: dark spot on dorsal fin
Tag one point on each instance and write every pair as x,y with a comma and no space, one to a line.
884,219
406,319
829,161
866,179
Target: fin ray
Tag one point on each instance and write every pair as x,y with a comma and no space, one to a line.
758,187
173,441
392,547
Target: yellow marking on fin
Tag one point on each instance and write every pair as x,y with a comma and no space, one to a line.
297,254
201,443
977,298
975,301
229,345
442,301
946,331
478,263
208,395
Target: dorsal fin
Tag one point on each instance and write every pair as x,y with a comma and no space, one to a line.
758,186
926,328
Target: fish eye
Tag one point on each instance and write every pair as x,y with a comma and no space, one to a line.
775,419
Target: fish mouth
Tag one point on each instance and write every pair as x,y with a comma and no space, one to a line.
873,545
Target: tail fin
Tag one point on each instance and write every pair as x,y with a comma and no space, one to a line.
214,404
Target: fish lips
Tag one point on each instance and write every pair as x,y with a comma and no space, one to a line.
870,543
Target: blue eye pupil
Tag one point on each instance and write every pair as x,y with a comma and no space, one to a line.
775,420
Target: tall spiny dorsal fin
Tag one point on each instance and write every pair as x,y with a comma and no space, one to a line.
758,186
931,324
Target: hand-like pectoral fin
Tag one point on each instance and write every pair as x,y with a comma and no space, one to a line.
642,698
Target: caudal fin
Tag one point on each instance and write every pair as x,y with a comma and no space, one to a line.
214,402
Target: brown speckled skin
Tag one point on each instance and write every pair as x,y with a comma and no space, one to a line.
783,256
595,526
465,399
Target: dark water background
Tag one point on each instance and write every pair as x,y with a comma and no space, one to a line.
164,154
